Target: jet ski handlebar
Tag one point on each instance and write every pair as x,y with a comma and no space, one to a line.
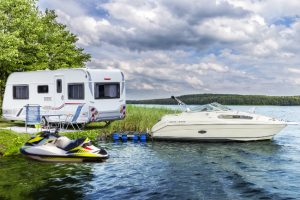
47,134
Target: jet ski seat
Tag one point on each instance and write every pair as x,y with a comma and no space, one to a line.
62,142
74,143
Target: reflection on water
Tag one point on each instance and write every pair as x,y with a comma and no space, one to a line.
164,170
22,178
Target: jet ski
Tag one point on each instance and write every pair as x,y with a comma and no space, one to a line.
52,147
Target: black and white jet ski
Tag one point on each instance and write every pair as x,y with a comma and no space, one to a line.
52,147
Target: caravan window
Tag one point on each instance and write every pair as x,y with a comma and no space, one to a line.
107,90
76,91
42,88
58,85
21,92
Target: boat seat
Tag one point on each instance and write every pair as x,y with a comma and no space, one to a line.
74,144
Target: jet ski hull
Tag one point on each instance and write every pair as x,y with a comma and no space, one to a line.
51,147
64,158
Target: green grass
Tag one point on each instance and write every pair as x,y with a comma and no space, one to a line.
5,123
10,142
138,119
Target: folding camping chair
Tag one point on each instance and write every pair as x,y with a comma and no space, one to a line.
72,118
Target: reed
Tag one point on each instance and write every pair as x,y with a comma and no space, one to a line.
137,119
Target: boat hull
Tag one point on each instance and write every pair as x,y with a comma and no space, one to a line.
65,159
59,157
218,132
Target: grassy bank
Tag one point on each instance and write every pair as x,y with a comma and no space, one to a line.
137,119
10,142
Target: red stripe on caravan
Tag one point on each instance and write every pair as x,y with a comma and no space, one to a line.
107,78
58,108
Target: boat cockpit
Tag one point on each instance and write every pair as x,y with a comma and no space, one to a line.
212,107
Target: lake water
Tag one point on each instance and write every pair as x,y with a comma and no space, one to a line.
169,170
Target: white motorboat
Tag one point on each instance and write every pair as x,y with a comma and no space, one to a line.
216,122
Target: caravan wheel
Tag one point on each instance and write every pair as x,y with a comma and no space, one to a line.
44,122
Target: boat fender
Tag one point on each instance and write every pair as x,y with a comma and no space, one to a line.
116,137
124,138
143,138
135,138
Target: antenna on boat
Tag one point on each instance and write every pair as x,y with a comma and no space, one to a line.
181,103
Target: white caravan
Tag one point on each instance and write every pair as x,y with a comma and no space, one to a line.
100,94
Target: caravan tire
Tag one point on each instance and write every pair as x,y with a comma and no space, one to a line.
44,122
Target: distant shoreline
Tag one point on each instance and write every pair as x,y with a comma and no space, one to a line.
226,99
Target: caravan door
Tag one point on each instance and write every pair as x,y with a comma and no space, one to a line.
59,93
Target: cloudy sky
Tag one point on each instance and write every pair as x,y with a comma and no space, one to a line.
168,47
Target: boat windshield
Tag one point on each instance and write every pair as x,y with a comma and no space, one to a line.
210,107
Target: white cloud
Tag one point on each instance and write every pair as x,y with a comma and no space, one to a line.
174,46
294,70
194,81
269,9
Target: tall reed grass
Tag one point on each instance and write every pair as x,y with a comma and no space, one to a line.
138,119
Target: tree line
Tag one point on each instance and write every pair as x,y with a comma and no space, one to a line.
226,99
